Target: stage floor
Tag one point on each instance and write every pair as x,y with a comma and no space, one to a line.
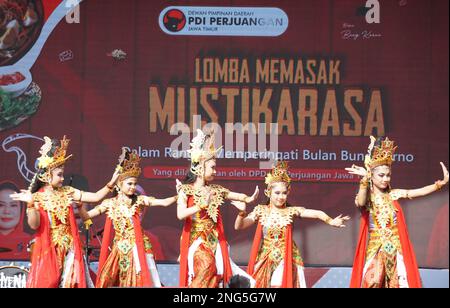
316,277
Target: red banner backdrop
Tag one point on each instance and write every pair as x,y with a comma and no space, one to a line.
114,77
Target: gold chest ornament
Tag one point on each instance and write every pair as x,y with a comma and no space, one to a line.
56,202
274,219
218,195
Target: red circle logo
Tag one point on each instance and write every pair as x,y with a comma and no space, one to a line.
174,20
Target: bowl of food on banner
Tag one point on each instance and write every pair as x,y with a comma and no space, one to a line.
21,22
14,81
19,96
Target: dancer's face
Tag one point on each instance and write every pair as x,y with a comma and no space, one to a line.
128,186
210,170
9,211
278,194
381,177
57,177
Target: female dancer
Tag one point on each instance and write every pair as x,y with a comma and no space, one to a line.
275,260
130,262
384,255
57,259
204,256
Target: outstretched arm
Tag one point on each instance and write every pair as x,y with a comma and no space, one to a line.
420,192
243,197
160,202
89,197
336,222
33,216
149,201
94,212
242,221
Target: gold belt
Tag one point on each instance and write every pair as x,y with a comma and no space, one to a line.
203,226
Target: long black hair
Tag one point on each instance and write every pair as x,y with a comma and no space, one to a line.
9,185
190,178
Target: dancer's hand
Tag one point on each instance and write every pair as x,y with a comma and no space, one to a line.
446,176
241,206
23,196
115,177
178,185
357,170
209,194
339,221
253,197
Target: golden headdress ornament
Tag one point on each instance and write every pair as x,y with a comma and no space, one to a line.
379,155
279,173
202,149
129,165
48,161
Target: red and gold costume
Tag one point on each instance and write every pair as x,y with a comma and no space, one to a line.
275,260
273,245
204,256
126,265
57,259
129,261
384,255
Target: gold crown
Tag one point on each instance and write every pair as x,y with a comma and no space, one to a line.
279,173
202,150
48,163
59,155
380,155
129,167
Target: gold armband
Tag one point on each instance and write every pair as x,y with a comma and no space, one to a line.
438,185
364,183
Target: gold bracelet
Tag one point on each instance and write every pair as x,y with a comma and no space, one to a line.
111,188
243,214
438,185
328,220
363,183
